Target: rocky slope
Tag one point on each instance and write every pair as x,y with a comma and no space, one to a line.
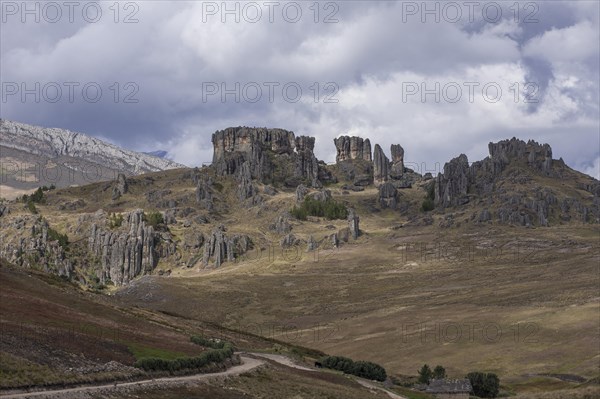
518,183
34,156
241,206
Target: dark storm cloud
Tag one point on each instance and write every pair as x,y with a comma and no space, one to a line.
164,63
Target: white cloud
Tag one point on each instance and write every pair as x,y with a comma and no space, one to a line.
370,54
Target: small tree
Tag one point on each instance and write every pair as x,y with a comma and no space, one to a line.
31,207
425,374
37,196
439,372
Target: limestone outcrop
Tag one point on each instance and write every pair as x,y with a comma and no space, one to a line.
120,187
124,253
514,163
27,242
349,148
397,167
220,247
381,165
388,196
451,186
273,155
353,224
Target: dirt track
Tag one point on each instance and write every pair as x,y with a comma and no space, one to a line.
247,365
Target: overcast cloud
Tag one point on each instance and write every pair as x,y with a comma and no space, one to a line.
539,63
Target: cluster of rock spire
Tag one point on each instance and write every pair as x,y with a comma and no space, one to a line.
277,154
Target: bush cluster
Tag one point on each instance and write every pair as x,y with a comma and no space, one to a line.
207,342
426,375
485,385
360,368
185,363
329,209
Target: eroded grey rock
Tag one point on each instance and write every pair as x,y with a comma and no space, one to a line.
380,166
349,148
388,196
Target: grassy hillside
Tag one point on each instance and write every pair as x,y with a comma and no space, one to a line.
520,302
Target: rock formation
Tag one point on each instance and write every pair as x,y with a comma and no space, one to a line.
349,148
125,253
204,192
245,188
120,187
321,195
388,196
301,192
397,168
272,155
353,223
289,240
380,166
26,242
460,183
307,165
312,244
282,224
451,187
219,247
4,210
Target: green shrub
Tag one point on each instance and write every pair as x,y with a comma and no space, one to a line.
431,190
329,209
427,205
186,363
207,342
32,208
63,239
360,368
299,213
154,219
115,220
485,385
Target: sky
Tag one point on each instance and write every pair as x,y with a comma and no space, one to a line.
439,78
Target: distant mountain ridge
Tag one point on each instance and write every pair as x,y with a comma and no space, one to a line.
33,156
54,142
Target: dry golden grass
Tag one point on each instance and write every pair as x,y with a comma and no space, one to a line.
511,300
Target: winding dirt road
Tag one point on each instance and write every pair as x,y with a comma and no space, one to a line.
286,361
248,364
